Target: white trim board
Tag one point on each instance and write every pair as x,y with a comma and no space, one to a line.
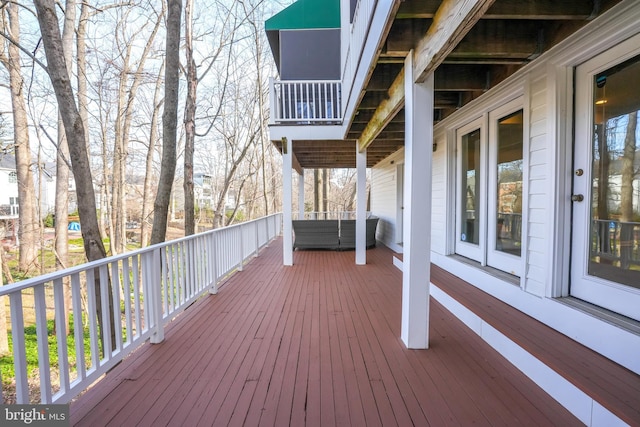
613,342
585,408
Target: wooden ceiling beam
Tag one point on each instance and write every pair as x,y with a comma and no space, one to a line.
487,40
451,23
384,113
507,9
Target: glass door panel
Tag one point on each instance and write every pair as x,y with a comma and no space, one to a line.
471,195
470,183
606,209
506,133
615,175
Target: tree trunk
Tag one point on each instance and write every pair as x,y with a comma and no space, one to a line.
189,123
628,171
325,190
4,336
169,122
316,191
62,169
74,129
28,221
626,192
75,132
147,207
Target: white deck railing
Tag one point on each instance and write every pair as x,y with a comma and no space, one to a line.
142,290
306,102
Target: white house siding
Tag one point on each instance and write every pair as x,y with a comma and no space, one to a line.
384,199
538,197
439,196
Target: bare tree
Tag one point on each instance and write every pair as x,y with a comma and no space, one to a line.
62,165
62,159
10,58
74,128
252,14
125,113
189,123
169,121
147,197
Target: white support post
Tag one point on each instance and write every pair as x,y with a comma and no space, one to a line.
213,262
361,206
301,195
287,171
241,248
154,288
417,213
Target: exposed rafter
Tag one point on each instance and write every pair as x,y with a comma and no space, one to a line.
451,23
508,9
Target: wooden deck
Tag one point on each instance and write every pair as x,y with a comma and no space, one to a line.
314,344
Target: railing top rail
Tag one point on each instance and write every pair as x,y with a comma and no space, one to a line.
276,81
48,277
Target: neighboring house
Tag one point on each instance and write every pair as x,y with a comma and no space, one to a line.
9,183
484,127
205,193
203,190
45,180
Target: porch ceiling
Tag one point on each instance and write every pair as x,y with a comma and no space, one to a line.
328,154
508,36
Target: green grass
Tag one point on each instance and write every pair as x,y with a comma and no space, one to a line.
31,347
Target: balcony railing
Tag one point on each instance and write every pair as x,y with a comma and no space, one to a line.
306,102
118,303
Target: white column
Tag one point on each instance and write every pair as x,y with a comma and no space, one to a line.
301,195
417,209
361,206
287,187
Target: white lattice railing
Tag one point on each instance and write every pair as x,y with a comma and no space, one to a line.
306,102
117,304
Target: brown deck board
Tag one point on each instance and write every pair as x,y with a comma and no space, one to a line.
614,386
316,344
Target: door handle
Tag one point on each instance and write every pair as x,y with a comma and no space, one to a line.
577,198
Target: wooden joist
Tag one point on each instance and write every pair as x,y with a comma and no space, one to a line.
451,22
507,9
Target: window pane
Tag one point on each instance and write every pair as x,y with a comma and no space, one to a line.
615,188
509,203
470,181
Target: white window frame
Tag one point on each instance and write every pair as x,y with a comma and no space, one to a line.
509,263
484,253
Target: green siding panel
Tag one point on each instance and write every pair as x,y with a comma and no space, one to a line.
306,14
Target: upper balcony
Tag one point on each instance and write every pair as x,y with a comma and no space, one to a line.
300,102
